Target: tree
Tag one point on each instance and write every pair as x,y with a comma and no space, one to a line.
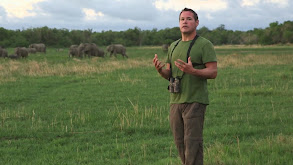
132,37
4,37
274,34
203,31
287,28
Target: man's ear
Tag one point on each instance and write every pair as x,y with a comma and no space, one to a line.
197,22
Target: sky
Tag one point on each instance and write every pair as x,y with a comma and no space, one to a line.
120,15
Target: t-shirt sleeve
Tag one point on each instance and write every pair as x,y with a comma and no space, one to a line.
168,59
209,54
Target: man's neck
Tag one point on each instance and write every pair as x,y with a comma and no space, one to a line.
188,36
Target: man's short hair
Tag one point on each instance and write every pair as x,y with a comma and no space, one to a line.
194,13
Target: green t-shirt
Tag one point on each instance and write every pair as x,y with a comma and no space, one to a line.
193,88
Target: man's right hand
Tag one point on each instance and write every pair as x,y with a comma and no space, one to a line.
158,64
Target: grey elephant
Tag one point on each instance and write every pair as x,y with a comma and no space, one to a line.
89,49
59,50
165,47
32,50
21,52
39,47
101,52
3,52
117,49
13,56
73,51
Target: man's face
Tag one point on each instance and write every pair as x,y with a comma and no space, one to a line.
187,22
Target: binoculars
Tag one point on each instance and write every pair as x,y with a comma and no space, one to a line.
174,85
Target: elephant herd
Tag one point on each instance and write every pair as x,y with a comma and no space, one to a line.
23,51
91,49
81,50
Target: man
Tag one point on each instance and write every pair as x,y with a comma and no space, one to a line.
191,61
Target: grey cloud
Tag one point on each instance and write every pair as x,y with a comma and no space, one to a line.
125,14
132,10
117,13
60,9
246,18
2,13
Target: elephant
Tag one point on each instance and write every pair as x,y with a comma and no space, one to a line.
21,52
89,49
32,50
165,47
101,52
39,47
3,52
73,51
117,48
59,50
13,56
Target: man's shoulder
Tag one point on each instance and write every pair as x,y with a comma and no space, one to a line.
204,40
203,43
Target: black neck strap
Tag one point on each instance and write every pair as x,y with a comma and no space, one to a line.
190,46
189,49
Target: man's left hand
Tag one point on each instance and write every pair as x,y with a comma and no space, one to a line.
185,67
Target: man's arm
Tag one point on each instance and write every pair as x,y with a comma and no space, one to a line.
210,72
165,73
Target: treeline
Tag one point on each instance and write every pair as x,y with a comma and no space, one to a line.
276,33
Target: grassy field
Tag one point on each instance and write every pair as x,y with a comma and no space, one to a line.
59,110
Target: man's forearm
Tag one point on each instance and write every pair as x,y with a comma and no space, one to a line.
165,73
207,73
210,72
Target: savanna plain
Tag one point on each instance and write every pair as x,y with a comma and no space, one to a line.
115,111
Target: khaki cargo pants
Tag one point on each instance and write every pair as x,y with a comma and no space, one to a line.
186,122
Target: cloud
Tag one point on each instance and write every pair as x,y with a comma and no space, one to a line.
198,5
279,3
209,17
90,14
2,14
120,15
20,9
61,9
115,9
249,2
128,9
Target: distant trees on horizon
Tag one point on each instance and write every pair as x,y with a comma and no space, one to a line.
276,33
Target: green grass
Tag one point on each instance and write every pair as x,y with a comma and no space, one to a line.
59,110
